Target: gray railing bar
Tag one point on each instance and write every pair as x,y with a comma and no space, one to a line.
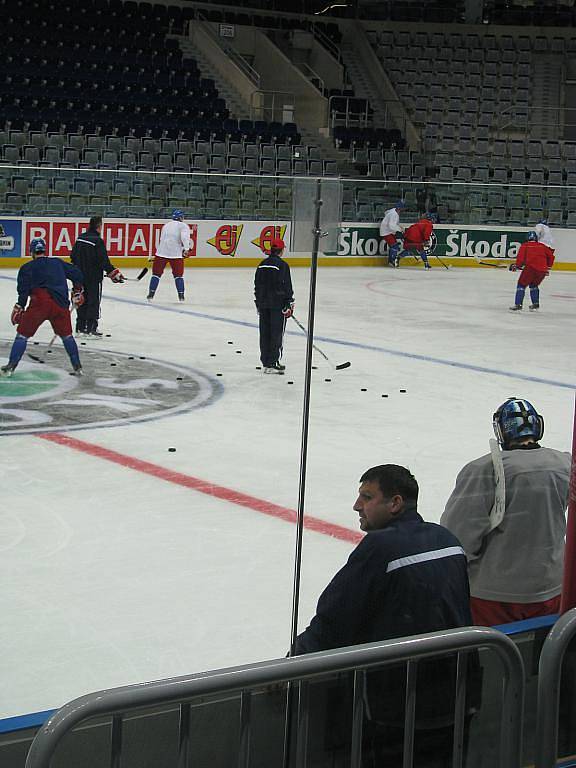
245,729
309,666
549,677
357,718
183,735
410,714
116,742
302,725
459,710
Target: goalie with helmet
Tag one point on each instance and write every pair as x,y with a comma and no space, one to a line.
515,562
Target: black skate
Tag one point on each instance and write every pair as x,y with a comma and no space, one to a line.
77,370
533,307
181,297
150,295
8,370
516,308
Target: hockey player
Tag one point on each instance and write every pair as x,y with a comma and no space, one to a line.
389,226
515,565
535,259
274,301
173,248
43,281
90,256
417,238
544,234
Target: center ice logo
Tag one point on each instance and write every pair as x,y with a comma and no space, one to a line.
116,389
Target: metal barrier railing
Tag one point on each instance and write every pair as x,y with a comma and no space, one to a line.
549,678
244,680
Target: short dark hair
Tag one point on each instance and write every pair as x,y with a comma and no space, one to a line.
393,480
274,251
95,222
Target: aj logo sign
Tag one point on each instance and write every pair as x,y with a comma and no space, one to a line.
116,389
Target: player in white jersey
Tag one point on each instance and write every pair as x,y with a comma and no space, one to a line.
389,226
545,236
173,248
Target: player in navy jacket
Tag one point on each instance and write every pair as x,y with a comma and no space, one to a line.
43,281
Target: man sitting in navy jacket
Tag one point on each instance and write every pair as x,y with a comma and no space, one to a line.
405,577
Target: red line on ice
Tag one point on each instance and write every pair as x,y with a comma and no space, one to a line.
203,486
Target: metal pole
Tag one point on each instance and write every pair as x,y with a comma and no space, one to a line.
303,465
569,585
305,419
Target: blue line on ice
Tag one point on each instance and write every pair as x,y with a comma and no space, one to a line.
352,344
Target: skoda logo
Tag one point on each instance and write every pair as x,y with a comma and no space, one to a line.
116,389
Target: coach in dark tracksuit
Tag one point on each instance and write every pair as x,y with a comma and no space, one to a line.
274,301
406,577
89,254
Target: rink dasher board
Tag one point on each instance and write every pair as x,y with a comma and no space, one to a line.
238,243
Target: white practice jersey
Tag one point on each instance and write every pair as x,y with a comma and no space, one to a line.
544,235
174,238
390,224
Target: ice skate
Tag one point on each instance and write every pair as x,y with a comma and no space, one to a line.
427,266
279,367
534,307
77,371
7,370
150,296
181,297
516,308
274,369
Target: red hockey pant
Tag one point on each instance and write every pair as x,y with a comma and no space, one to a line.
42,307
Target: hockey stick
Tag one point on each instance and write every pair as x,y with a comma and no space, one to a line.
336,367
488,264
142,273
499,507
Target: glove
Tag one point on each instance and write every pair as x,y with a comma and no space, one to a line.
116,276
187,254
288,311
16,315
512,267
77,296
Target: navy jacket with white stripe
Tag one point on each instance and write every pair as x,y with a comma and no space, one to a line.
405,579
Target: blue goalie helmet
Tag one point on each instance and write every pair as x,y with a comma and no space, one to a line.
532,236
517,419
177,214
38,245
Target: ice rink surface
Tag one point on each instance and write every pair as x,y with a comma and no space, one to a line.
122,561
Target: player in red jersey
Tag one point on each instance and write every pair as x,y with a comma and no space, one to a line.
535,259
417,238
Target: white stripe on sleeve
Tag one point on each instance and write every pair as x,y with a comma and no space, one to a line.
423,557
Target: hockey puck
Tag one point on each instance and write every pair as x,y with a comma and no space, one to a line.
327,379
314,367
48,351
172,450
212,354
218,374
82,343
179,378
142,358
363,389
238,351
112,364
290,382
402,390
130,358
258,367
108,335
384,395
36,343
230,342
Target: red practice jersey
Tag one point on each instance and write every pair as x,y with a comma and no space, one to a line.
419,233
535,255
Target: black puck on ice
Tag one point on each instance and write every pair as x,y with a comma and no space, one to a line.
402,390
130,358
108,335
327,379
258,367
218,374
314,367
230,342
384,395
112,363
48,351
172,450
142,358
290,382
82,343
36,343
363,389
179,378
238,351
212,354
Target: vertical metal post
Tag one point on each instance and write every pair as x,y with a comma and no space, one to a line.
303,463
459,711
410,714
569,586
357,718
116,742
302,727
245,729
183,735
305,419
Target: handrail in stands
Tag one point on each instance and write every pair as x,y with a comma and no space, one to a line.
230,51
245,679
